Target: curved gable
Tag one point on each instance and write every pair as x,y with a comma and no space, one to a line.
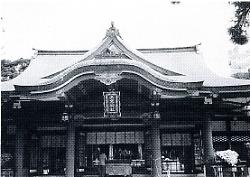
111,56
182,69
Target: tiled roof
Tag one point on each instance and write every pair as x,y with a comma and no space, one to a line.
192,64
181,64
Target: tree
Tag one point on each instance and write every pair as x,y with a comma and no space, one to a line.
238,31
242,75
10,70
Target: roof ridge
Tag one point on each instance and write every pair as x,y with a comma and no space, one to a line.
143,50
59,52
170,49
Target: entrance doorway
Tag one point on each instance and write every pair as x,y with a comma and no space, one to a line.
52,155
119,147
177,152
54,161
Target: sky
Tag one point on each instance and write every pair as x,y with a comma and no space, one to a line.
81,25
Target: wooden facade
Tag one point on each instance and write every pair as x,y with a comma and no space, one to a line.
58,118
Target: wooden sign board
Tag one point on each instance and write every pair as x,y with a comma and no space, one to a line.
112,104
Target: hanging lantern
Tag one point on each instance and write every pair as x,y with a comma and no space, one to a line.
65,117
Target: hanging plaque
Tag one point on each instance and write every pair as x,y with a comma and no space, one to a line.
112,104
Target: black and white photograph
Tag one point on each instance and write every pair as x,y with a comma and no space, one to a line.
126,88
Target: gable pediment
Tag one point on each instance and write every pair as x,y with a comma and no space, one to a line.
113,47
112,51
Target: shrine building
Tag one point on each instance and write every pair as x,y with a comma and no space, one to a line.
151,112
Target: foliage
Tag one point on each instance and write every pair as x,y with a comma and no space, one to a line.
11,69
5,158
228,156
242,75
175,2
238,31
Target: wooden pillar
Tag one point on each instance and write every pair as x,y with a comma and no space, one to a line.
156,149
148,148
229,133
70,150
19,153
208,145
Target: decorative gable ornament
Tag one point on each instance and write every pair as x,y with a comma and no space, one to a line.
108,78
111,52
112,31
